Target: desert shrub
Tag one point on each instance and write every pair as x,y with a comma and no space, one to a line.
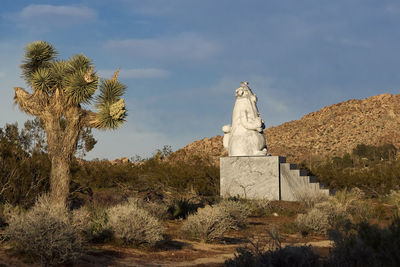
366,245
258,207
315,221
347,206
374,169
45,233
155,172
208,224
158,209
238,212
351,202
81,218
394,198
97,229
310,197
181,208
133,225
289,256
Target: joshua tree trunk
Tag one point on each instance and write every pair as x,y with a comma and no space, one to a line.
61,141
60,178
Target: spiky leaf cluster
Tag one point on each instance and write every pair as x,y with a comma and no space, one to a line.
37,55
112,107
74,77
71,82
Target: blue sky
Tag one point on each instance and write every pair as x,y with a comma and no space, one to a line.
183,59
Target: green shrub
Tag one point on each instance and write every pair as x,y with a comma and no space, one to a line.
158,210
394,198
344,208
366,245
259,207
133,225
46,233
208,224
96,229
238,212
375,169
310,197
181,208
315,221
289,256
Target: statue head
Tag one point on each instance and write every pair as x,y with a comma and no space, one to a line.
244,91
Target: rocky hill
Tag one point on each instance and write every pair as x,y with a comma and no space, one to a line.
333,130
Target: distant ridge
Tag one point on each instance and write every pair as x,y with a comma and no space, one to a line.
331,131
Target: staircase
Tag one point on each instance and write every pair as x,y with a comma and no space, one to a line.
296,185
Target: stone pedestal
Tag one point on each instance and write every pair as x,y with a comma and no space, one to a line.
251,177
268,177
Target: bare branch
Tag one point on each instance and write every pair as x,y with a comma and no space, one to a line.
30,103
90,119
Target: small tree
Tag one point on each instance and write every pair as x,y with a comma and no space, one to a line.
59,89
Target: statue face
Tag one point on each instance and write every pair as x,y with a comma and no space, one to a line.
243,92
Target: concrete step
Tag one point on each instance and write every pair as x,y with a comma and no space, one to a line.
313,179
295,181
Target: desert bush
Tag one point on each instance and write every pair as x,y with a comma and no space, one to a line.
374,169
81,218
238,212
208,224
310,197
158,209
315,221
347,206
366,245
181,208
258,207
269,252
289,256
394,198
133,225
46,233
97,229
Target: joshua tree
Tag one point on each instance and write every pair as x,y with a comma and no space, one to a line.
59,89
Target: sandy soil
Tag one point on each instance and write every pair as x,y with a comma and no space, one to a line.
179,252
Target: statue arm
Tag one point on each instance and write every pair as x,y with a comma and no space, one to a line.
250,124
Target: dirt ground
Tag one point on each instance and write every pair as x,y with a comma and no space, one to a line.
179,252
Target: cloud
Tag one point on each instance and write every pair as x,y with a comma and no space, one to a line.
143,73
186,45
2,74
349,41
393,9
44,17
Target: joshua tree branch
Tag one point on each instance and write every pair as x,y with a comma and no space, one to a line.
29,103
90,119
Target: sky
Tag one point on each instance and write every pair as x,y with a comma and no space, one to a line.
183,59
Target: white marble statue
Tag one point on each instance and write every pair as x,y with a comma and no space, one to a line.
245,137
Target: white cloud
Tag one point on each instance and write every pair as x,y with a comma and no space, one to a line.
348,41
38,11
41,18
2,74
143,73
186,45
393,9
